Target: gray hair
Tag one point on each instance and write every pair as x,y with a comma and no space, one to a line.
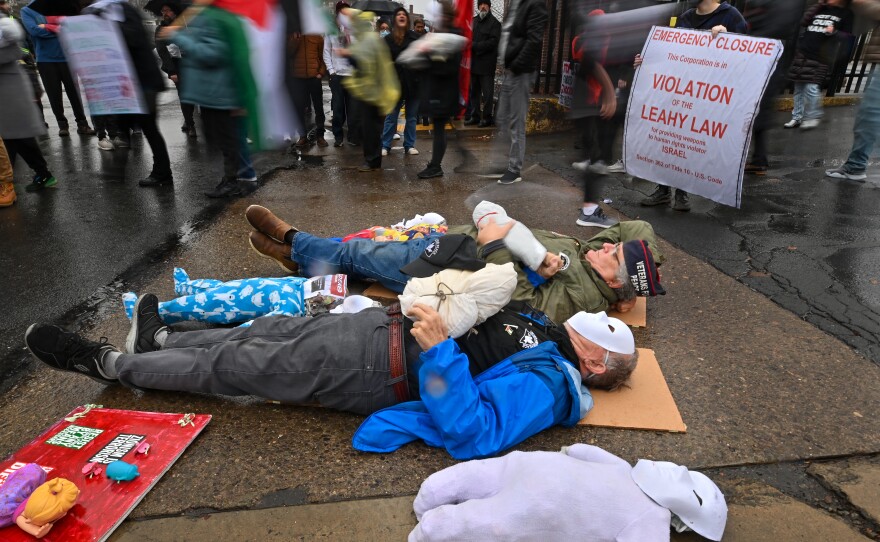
618,369
627,291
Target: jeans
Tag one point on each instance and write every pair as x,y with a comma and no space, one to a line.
513,106
409,132
807,102
361,258
866,128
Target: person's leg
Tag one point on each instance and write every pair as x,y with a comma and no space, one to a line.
354,117
246,171
30,152
161,161
359,257
519,108
299,97
439,143
51,77
866,128
487,89
389,127
337,105
412,121
338,361
222,133
812,102
797,114
72,91
316,92
188,111
371,130
472,112
7,189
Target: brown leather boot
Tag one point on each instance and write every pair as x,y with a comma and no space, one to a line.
7,194
263,220
267,247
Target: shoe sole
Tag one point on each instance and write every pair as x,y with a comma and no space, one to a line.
518,179
490,175
845,177
681,209
281,265
96,379
131,338
432,176
580,222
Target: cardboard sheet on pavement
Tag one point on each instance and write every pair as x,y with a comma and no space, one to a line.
646,404
637,316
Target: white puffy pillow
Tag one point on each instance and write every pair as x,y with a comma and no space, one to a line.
463,298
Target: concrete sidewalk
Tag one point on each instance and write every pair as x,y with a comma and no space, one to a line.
762,392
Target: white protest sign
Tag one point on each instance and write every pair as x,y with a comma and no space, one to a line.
98,56
566,89
690,114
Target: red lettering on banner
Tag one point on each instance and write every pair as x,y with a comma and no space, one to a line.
710,128
664,116
695,89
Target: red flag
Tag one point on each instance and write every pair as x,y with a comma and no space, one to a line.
464,20
256,10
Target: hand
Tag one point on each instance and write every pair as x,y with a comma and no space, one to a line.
319,76
167,31
717,30
550,266
829,29
622,84
41,26
609,106
343,52
491,231
173,78
637,62
624,306
429,329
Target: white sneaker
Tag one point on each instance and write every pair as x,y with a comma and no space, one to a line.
412,150
395,137
810,124
598,167
617,167
581,166
105,144
384,152
791,124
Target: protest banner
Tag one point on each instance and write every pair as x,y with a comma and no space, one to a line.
690,114
101,436
566,90
99,58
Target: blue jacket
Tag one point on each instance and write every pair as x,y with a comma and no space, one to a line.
478,417
726,15
208,77
47,47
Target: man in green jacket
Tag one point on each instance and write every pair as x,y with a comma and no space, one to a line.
605,272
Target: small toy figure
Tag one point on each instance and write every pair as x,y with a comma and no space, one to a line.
92,469
27,500
122,471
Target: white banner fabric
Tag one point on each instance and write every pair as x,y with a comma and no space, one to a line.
690,113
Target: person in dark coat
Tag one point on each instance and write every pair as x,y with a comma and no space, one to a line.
826,28
484,55
170,54
440,95
399,39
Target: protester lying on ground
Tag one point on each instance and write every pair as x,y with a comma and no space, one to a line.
515,375
605,272
531,496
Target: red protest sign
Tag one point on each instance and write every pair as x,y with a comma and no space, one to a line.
151,441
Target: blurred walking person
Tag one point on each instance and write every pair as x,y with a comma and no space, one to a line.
484,47
306,56
170,55
20,122
53,68
399,39
342,103
140,50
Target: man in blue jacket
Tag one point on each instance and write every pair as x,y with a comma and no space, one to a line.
505,380
54,72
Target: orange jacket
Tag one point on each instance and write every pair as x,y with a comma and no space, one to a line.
306,54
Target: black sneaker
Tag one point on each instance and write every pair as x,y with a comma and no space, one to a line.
40,183
154,180
660,196
145,324
430,172
228,188
596,218
510,177
67,351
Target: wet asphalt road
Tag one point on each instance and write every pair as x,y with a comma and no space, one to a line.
809,243
68,248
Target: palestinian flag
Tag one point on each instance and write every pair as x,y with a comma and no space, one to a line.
464,20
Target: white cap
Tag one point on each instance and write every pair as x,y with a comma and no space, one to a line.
609,333
690,495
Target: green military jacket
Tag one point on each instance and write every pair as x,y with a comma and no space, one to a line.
577,287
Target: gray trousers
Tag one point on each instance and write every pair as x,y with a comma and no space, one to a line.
339,361
513,107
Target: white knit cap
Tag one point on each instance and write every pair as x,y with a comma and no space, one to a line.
690,495
609,333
